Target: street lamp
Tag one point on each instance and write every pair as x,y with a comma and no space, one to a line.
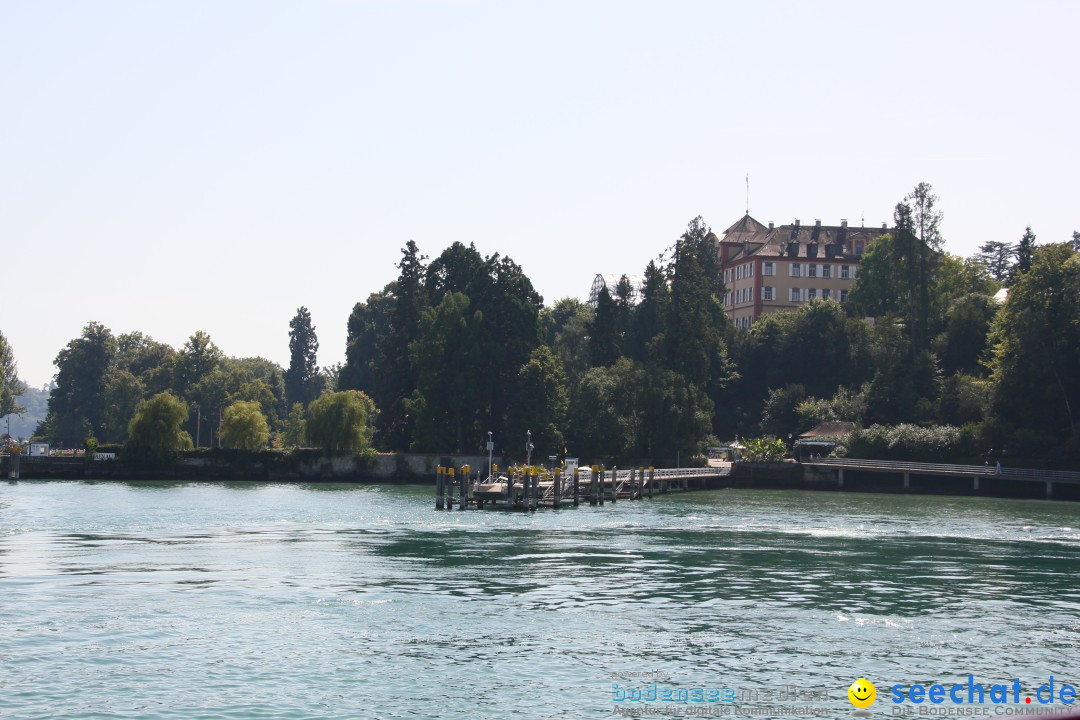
528,448
490,448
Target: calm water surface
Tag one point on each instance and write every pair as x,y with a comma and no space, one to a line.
146,600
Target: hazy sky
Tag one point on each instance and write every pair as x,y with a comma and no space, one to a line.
178,166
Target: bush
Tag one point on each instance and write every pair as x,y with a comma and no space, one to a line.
341,421
245,426
939,443
154,433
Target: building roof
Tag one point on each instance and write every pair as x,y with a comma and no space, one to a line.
748,237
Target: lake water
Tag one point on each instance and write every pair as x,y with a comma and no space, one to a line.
345,601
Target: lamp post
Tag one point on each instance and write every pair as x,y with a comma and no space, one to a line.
528,448
490,448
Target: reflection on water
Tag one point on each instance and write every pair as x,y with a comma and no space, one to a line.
195,600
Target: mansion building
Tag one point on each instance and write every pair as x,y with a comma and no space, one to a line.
769,268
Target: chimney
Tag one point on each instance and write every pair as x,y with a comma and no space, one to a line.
884,227
770,225
843,223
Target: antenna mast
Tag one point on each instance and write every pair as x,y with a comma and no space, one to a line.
747,193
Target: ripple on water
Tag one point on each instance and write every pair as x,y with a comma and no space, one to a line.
201,600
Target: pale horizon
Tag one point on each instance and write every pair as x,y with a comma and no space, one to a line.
174,167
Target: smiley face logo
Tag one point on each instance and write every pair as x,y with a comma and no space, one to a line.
862,693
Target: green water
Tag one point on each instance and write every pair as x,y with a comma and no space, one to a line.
344,601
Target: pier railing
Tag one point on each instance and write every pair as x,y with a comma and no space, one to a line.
947,469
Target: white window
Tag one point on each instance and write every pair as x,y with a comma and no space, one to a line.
826,271
826,293
845,272
751,270
811,293
843,296
766,293
727,276
853,269
811,270
795,270
727,298
794,295
768,269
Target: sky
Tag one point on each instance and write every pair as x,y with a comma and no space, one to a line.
169,167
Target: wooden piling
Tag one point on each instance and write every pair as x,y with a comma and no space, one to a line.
593,472
576,487
557,497
603,482
464,488
652,480
440,502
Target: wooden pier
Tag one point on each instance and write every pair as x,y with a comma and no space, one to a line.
530,489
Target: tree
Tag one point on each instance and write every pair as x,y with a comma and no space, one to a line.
77,402
244,426
962,343
445,400
368,331
123,393
302,378
1025,252
1035,341
11,388
197,359
997,257
155,432
294,426
342,421
1076,240
540,403
605,340
397,376
567,327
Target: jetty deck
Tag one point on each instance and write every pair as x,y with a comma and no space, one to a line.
530,489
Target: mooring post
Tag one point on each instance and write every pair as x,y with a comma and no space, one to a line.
907,481
439,488
603,483
464,487
652,478
536,490
558,490
614,483
450,487
975,483
576,487
840,477
1049,489
593,470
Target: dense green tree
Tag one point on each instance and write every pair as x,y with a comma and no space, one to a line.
341,421
998,258
244,426
540,403
963,341
396,379
676,416
691,339
1035,341
452,272
197,359
1025,252
11,388
293,435
153,363
154,432
505,329
444,404
568,325
651,312
605,338
780,416
77,401
123,393
368,332
302,380
605,415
